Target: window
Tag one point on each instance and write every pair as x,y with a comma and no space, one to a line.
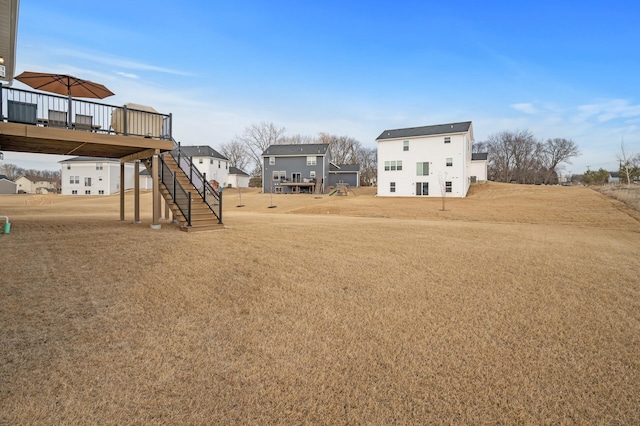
200,161
312,174
74,180
447,139
74,192
311,161
449,162
101,192
87,181
392,165
279,174
71,180
405,146
392,187
100,178
422,169
68,166
422,188
210,160
272,161
218,163
87,192
98,166
447,186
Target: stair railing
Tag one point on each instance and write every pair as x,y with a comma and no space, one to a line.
212,197
181,197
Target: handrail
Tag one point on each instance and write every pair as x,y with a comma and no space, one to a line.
210,196
51,110
181,197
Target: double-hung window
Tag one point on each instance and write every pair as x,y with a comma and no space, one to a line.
405,146
422,169
449,161
311,161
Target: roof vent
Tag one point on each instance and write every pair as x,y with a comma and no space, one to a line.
452,126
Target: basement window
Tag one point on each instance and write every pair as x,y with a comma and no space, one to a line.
448,186
449,161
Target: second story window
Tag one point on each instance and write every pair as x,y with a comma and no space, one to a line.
405,146
272,161
98,166
311,161
447,139
449,162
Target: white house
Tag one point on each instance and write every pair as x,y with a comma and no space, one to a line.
237,178
94,176
210,162
35,184
428,161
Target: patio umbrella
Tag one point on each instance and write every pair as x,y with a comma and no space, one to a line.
64,84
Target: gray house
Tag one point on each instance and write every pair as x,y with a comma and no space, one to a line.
296,168
344,173
7,186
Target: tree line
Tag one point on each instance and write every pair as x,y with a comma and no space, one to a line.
13,172
518,156
245,150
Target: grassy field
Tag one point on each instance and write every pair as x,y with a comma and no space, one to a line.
516,305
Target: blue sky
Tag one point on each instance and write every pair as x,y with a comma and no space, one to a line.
560,69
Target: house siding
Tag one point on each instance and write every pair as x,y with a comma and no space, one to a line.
290,165
8,187
430,149
218,171
350,178
106,180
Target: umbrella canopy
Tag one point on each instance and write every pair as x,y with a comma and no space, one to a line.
64,84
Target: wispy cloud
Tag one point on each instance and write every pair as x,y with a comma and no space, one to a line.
609,110
527,108
127,75
115,61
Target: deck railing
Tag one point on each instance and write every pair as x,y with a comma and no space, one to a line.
180,196
41,109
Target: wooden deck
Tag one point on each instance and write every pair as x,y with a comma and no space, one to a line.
49,140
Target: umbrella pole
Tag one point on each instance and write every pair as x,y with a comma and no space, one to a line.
69,113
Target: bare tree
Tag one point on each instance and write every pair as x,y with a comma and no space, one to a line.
478,147
236,154
343,148
628,163
368,160
556,151
442,179
297,140
256,138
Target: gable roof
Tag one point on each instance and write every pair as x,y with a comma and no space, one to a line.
236,171
201,151
438,129
344,168
479,156
297,149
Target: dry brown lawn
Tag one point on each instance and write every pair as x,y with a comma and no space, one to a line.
516,305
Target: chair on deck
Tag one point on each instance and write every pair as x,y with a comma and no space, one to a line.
22,112
83,122
57,118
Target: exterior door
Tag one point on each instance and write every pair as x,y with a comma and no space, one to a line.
422,188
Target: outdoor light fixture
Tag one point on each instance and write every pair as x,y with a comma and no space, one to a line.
1,59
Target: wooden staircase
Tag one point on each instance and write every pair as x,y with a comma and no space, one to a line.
202,218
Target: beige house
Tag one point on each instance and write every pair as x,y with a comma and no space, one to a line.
36,185
7,186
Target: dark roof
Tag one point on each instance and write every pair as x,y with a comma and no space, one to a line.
344,168
479,156
438,129
297,149
202,151
90,159
236,171
614,174
145,172
4,177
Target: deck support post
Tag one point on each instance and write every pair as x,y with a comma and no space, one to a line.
136,190
155,171
121,190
